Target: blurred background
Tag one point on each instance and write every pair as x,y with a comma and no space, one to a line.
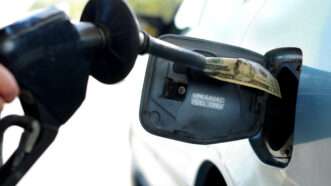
93,147
155,16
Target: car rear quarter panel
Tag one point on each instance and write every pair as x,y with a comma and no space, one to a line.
303,24
280,23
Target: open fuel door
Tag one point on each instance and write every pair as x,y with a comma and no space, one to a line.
184,104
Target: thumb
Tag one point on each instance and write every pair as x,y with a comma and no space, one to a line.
8,85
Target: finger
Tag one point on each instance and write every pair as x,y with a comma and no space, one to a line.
2,103
8,85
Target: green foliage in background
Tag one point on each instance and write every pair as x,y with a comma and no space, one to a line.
164,9
74,7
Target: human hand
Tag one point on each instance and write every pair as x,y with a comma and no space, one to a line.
8,87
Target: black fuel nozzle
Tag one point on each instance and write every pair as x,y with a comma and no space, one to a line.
174,53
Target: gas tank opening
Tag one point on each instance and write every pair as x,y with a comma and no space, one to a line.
274,143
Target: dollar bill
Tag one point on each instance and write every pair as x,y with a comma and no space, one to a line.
243,72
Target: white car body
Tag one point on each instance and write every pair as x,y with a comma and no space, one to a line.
257,25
